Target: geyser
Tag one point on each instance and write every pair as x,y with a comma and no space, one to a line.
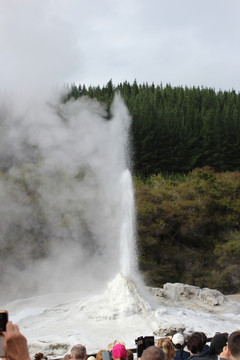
67,209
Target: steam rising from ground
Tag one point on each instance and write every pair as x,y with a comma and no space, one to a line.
63,177
65,186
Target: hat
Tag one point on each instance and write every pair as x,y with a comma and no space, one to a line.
119,351
178,339
110,346
217,344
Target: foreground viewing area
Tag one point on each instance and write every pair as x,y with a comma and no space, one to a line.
174,347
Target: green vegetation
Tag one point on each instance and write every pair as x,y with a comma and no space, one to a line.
189,229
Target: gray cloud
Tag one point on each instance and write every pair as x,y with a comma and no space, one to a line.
182,42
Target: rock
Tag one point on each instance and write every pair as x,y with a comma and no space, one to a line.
211,297
178,290
174,294
169,330
157,292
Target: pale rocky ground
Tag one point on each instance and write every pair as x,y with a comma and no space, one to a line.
200,301
193,297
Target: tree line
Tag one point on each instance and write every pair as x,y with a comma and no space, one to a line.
176,129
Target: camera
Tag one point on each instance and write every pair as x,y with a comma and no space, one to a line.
143,343
3,323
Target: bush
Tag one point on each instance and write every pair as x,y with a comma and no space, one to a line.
189,230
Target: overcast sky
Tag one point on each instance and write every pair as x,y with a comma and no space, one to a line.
182,42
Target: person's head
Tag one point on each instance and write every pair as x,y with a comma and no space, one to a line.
195,343
219,341
204,337
129,355
110,346
167,346
178,341
119,352
234,345
38,356
67,357
153,353
99,355
78,352
225,353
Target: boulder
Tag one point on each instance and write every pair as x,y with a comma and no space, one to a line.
175,294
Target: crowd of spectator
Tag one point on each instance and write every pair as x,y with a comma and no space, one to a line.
195,347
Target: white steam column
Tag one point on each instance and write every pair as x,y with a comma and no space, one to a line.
127,236
126,211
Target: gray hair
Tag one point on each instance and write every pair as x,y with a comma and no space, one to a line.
78,352
153,353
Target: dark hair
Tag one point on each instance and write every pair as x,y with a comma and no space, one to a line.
234,343
38,356
129,355
204,337
217,344
178,346
195,343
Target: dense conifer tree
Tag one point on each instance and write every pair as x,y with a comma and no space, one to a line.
176,129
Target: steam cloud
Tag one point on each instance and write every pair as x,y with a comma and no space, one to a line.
61,194
62,164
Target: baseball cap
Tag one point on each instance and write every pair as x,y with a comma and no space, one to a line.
178,339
